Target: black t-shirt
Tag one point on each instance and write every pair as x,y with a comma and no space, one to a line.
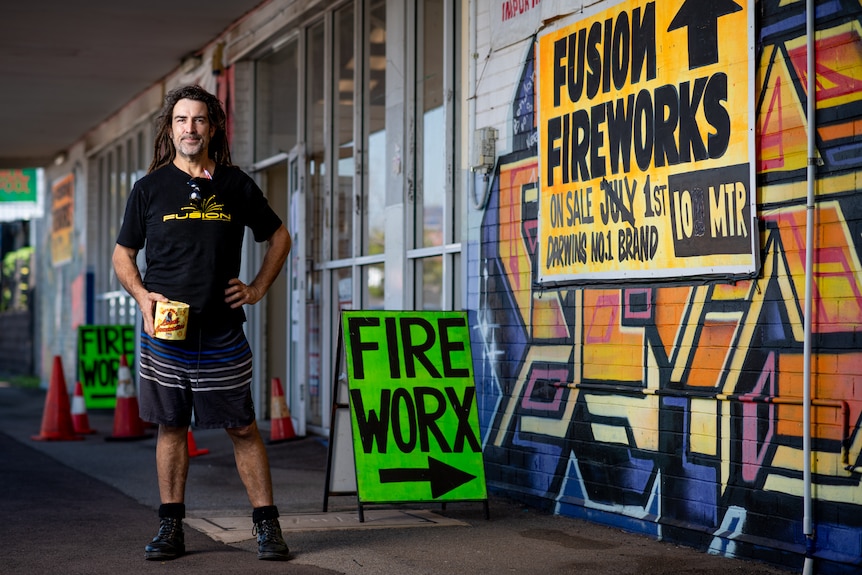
192,250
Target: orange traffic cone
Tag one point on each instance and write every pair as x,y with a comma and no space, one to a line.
281,425
80,421
127,423
57,416
193,447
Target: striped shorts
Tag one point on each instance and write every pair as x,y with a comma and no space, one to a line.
208,374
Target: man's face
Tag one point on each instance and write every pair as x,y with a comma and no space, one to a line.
191,129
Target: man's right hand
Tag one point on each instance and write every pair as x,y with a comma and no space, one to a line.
147,303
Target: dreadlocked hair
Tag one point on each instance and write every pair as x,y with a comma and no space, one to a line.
164,151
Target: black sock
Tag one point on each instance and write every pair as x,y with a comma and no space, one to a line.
172,510
262,513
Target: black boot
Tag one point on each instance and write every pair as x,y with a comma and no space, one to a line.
169,543
270,542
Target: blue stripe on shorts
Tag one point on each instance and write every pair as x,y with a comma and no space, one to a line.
208,374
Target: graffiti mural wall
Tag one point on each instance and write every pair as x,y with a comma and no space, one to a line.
675,409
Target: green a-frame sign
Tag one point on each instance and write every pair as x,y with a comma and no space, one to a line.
412,401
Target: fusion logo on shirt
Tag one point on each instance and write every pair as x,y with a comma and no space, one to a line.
207,209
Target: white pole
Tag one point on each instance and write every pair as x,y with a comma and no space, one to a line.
808,531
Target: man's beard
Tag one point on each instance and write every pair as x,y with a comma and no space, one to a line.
191,147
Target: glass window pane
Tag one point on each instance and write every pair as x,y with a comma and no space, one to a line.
314,215
429,283
457,275
342,129
316,147
373,280
313,303
375,192
342,284
277,98
432,174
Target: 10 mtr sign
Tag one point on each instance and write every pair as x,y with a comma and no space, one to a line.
413,406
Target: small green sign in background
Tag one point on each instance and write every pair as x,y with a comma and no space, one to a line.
99,351
413,406
18,185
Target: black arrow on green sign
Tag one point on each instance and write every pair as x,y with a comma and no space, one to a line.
443,477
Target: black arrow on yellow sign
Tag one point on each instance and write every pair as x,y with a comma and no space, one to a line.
442,476
701,18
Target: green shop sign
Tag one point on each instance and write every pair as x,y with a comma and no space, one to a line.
413,406
18,185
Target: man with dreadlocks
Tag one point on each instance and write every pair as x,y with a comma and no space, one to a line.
191,210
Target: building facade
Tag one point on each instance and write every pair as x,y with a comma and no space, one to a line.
412,148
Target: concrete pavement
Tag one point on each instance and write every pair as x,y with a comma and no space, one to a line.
89,506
